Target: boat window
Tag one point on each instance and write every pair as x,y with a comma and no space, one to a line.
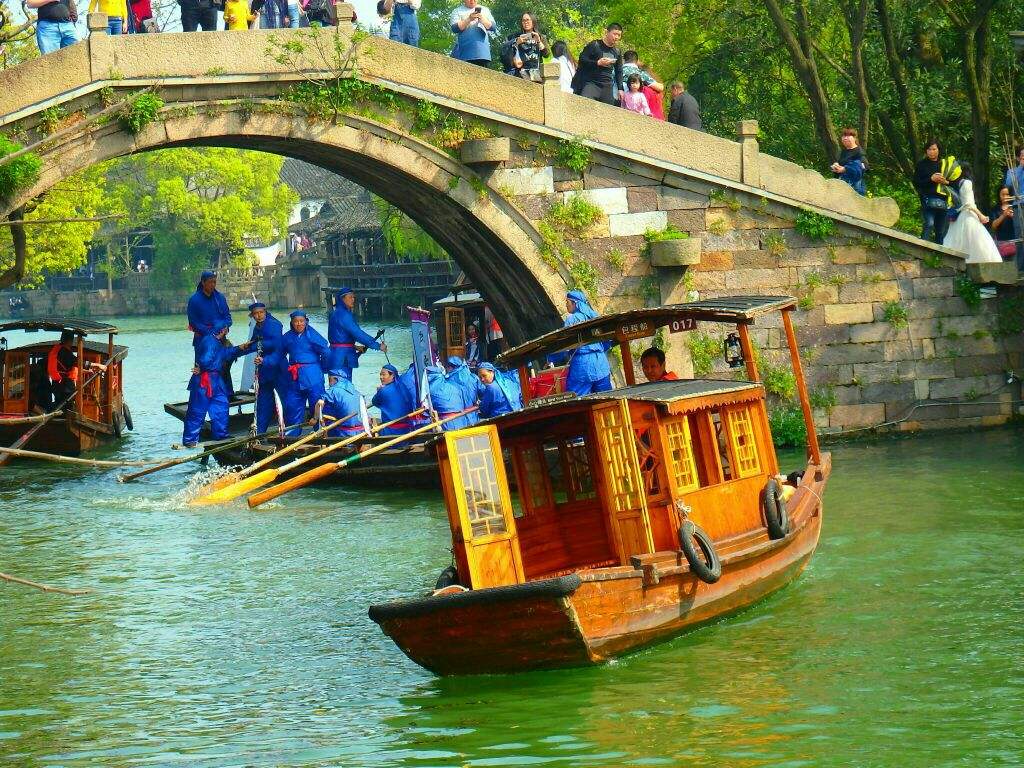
15,384
680,451
741,434
536,489
647,455
619,470
568,467
480,486
723,446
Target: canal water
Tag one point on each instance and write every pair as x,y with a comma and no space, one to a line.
224,637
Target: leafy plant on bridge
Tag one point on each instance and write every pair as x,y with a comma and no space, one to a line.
19,173
140,111
814,226
565,221
969,291
573,154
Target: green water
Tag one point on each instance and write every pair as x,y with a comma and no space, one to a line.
222,637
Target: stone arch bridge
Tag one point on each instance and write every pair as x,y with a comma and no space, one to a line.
491,167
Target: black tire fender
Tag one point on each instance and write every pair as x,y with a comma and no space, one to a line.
776,516
705,564
449,577
127,414
118,424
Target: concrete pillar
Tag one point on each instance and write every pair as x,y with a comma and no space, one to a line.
750,171
97,22
550,72
99,46
345,13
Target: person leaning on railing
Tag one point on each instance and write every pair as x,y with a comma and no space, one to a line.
55,24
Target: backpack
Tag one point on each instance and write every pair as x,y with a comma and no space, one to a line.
508,53
317,9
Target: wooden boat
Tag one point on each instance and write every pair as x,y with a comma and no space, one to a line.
239,419
637,514
98,413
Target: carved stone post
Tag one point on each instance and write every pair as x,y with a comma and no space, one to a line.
97,22
345,13
550,72
750,171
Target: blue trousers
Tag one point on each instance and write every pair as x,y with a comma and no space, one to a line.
53,35
405,27
934,223
297,399
582,385
199,405
266,405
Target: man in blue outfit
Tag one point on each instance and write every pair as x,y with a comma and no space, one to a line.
460,375
446,398
341,401
270,363
207,309
306,352
496,393
394,402
208,394
588,366
344,333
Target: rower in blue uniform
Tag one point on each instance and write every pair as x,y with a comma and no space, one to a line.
270,363
341,399
343,332
497,394
306,350
588,365
446,398
394,402
207,391
460,375
207,309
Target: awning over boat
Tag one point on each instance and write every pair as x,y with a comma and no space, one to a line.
642,323
58,325
672,391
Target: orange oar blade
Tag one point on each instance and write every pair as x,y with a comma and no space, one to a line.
299,481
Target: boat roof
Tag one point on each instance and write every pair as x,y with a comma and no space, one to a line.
641,323
469,297
58,324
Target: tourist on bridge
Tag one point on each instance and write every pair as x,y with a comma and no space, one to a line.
446,398
1001,225
497,395
631,66
852,164
116,11
237,15
270,363
341,399
684,109
140,17
472,25
1014,182
633,99
197,14
344,333
599,75
652,362
394,402
566,63
405,27
208,393
588,365
968,234
930,182
523,51
306,352
55,24
207,309
463,378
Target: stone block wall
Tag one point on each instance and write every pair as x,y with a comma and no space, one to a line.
886,334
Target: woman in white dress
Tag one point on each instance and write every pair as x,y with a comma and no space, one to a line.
567,63
968,233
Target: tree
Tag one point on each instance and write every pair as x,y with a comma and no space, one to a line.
404,237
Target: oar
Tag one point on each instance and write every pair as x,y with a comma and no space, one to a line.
204,494
270,475
324,470
23,440
220,446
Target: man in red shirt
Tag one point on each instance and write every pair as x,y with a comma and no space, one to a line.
652,362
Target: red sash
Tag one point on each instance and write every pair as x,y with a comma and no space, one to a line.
345,346
293,369
205,383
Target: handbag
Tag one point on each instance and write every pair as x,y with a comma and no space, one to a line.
935,204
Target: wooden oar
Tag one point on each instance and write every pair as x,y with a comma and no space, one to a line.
203,495
23,440
220,446
270,475
325,470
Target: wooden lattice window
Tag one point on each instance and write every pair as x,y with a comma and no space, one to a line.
741,436
455,331
625,495
15,384
535,484
722,441
680,451
650,461
480,487
577,460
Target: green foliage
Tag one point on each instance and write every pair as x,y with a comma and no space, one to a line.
50,118
932,260
140,111
574,216
584,276
778,380
813,280
774,243
404,237
573,154
814,225
1009,317
786,421
969,291
569,220
616,259
705,350
426,115
670,232
823,397
806,302
19,173
896,315
906,197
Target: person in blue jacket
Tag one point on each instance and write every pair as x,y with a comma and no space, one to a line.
207,392
460,375
343,332
270,363
341,399
496,393
588,365
306,351
394,402
446,398
207,309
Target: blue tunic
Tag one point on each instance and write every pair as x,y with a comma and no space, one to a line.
588,367
494,401
272,372
304,377
446,399
341,399
344,333
394,403
207,314
463,378
208,393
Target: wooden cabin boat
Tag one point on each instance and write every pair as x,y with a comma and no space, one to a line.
239,416
638,513
96,415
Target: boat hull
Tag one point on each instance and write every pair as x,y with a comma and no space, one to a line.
61,435
594,615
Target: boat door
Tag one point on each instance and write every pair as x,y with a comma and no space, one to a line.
480,490
454,332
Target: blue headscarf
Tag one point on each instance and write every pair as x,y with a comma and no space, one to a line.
515,399
299,313
257,305
582,304
340,294
456,362
390,367
206,275
340,373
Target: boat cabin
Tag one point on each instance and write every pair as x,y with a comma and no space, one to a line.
97,402
455,314
601,481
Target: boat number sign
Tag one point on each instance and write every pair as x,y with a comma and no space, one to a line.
682,324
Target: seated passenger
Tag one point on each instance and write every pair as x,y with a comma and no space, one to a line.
61,381
394,402
652,361
341,399
460,375
497,394
446,398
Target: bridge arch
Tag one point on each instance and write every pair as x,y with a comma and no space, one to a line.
491,239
